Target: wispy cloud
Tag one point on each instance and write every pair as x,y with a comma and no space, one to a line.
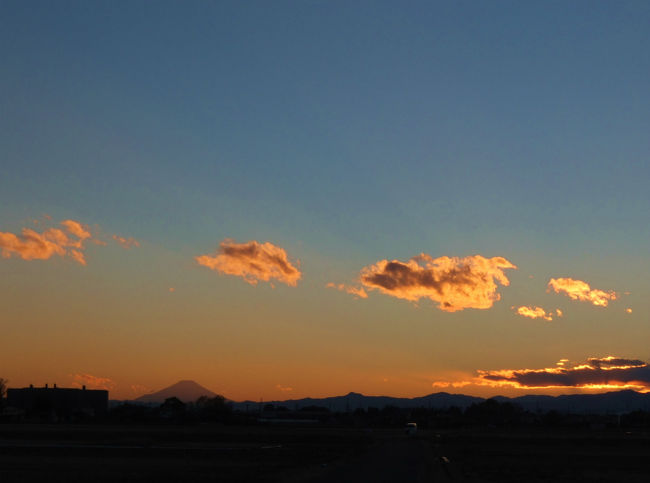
356,291
537,312
253,261
454,283
92,382
32,245
67,240
579,290
284,388
126,242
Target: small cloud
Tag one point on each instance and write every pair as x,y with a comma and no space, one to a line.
284,388
579,290
32,245
92,382
253,261
126,242
536,312
628,310
441,384
356,291
454,283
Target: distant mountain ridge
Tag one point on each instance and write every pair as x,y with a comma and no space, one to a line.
186,391
617,402
604,403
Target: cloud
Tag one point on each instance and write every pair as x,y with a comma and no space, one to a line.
356,291
537,313
446,384
253,261
77,229
67,241
126,242
454,283
595,373
579,290
284,388
93,382
32,245
628,310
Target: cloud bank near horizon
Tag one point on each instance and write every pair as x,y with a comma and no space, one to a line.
454,283
579,290
253,261
595,373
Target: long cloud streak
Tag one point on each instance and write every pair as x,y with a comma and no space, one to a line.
595,373
253,261
454,283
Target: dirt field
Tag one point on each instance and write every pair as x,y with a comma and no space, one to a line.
316,454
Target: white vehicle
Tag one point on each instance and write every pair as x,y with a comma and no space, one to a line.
411,429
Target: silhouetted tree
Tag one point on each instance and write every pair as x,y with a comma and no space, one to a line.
172,408
212,408
3,390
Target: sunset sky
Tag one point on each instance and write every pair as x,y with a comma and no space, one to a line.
307,198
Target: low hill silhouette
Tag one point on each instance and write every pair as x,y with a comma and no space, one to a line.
186,391
614,402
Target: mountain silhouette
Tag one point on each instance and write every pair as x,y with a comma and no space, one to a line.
354,400
186,391
616,402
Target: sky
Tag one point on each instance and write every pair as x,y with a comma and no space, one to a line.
307,198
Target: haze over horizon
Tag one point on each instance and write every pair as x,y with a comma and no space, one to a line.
304,199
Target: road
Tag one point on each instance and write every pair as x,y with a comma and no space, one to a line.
398,459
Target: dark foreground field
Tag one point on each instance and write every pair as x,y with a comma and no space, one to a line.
316,454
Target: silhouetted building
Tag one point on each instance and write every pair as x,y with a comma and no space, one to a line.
56,402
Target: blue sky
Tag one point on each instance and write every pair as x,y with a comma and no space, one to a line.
345,132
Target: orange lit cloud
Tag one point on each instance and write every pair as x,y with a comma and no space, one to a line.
596,373
68,241
445,384
628,310
454,283
126,242
284,388
253,261
579,290
77,229
537,313
358,292
93,382
31,245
